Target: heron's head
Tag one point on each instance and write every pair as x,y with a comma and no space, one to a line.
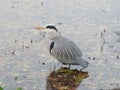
49,31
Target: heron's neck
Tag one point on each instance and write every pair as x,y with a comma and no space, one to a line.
52,35
49,38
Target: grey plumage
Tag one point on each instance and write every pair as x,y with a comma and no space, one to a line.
67,52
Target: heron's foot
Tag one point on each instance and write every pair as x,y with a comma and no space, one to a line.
67,64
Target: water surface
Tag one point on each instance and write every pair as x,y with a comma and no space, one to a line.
91,24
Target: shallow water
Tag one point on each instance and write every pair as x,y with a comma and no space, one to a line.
91,24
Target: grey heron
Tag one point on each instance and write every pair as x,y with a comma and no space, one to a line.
61,48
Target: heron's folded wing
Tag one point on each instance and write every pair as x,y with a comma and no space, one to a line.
66,49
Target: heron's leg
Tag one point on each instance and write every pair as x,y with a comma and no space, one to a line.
69,66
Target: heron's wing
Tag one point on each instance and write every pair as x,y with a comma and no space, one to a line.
65,49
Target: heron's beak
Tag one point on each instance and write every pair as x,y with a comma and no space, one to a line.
39,28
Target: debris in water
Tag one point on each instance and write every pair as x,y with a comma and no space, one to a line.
26,46
88,57
12,6
117,57
13,52
15,40
59,23
43,63
31,41
16,78
41,3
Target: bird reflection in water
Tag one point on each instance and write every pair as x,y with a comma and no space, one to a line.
65,79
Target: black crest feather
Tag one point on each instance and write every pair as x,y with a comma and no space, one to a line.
51,27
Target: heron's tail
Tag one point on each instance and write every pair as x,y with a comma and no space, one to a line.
83,63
